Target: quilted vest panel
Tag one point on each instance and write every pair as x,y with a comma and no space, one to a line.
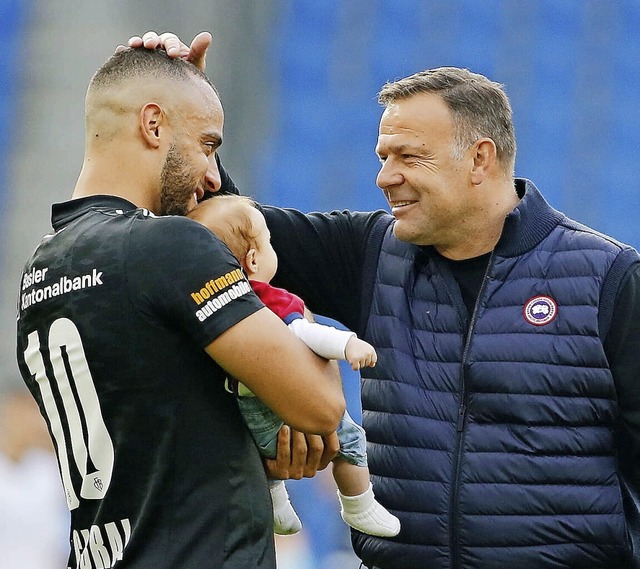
491,437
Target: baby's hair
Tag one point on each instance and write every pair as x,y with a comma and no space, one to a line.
229,218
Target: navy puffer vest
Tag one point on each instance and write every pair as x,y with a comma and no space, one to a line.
491,436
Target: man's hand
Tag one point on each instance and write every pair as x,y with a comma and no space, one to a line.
300,455
195,53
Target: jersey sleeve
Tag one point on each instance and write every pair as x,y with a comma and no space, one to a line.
181,273
325,261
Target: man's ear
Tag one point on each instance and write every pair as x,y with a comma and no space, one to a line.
484,159
151,121
250,262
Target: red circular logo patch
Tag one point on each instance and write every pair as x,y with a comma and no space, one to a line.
540,310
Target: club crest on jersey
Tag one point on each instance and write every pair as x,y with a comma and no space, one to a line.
540,310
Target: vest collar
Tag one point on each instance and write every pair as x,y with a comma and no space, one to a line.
529,223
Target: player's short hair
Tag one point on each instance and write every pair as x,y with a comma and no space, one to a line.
479,107
229,218
144,63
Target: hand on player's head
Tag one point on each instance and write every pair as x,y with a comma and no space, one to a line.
195,53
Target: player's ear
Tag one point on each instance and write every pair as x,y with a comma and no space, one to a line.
151,121
251,262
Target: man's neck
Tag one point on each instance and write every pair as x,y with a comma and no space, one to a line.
484,236
113,180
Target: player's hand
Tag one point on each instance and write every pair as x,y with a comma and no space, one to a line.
301,456
360,353
195,53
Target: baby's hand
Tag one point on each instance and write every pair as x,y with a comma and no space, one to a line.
360,354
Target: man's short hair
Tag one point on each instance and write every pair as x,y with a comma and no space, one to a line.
479,107
145,63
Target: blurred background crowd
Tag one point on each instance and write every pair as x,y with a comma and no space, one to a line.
298,79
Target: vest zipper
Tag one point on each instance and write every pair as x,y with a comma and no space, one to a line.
456,562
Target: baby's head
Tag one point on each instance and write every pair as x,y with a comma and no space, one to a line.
241,226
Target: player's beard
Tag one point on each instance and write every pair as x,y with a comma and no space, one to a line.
177,184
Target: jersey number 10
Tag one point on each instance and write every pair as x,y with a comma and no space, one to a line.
91,445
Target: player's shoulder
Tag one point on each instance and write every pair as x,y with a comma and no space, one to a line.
162,222
171,228
172,236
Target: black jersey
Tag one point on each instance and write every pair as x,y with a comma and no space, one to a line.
158,467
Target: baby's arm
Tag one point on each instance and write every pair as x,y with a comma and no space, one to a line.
334,344
360,353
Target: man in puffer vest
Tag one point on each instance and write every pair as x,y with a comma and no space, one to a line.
503,416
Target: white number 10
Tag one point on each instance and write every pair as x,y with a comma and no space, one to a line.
91,444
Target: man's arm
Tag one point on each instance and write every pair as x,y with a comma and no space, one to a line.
324,264
300,387
622,348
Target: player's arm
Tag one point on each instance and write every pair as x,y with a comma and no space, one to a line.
185,276
302,388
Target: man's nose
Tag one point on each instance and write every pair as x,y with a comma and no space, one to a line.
388,176
212,181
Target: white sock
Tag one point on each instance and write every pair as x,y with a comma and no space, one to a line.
285,519
367,515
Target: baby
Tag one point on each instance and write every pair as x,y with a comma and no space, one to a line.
237,221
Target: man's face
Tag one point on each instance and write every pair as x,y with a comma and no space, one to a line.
190,168
427,189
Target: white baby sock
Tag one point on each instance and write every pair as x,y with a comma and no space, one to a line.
367,515
285,519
